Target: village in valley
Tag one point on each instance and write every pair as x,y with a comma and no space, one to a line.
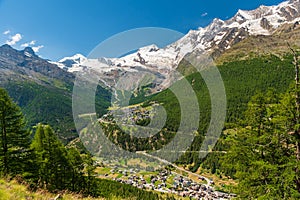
165,180
170,179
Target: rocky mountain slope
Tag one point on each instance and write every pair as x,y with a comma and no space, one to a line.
26,65
258,45
41,89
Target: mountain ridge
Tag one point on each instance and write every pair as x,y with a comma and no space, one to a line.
42,90
215,39
25,62
263,21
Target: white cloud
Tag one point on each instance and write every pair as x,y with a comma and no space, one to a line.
32,42
14,39
6,32
37,48
204,14
18,37
27,44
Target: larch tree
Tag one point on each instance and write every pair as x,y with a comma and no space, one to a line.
51,157
14,138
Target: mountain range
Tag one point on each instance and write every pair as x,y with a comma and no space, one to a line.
43,88
215,39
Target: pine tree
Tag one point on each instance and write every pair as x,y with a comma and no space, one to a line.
14,138
77,173
89,171
54,167
286,126
295,131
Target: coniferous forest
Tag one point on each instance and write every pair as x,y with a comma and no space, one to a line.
260,138
39,159
150,113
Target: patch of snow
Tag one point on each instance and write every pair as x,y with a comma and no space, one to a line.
27,54
77,58
245,14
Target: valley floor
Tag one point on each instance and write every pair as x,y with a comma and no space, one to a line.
178,181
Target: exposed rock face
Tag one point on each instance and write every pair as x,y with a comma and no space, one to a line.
290,12
264,23
28,64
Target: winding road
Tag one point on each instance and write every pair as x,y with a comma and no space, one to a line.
175,166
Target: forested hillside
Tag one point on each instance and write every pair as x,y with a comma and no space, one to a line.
269,76
159,124
38,159
242,79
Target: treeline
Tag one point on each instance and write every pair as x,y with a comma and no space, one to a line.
242,80
44,104
40,159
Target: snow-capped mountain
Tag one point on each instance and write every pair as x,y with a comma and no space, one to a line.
221,35
71,63
214,39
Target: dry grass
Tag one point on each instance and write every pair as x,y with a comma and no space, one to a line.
219,182
12,190
263,45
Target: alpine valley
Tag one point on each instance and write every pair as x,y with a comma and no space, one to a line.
255,54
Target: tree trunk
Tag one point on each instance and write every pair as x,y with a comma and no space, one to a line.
4,146
297,104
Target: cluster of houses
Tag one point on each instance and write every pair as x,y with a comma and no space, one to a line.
178,185
187,188
131,115
128,115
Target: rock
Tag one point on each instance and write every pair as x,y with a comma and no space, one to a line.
265,24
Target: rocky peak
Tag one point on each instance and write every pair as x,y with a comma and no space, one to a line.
6,46
264,23
6,49
27,62
28,51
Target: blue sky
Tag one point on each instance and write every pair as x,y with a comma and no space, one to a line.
59,28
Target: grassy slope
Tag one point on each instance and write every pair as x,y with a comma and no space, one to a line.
262,45
12,190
